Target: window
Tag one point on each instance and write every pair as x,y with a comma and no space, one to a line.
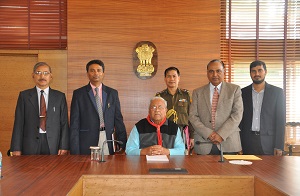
268,30
33,24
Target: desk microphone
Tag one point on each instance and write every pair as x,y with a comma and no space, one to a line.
102,151
221,154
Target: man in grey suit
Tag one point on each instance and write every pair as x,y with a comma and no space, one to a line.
263,123
93,122
29,136
223,128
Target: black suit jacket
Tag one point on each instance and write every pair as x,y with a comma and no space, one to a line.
25,136
85,123
272,119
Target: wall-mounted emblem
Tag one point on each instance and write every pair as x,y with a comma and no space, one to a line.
145,60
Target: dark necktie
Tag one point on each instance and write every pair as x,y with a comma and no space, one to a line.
43,112
214,107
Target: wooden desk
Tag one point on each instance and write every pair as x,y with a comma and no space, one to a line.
56,175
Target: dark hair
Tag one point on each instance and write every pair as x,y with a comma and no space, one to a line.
258,63
41,64
215,60
172,68
96,61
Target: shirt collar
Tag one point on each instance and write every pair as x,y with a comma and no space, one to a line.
212,87
263,90
177,91
93,87
46,90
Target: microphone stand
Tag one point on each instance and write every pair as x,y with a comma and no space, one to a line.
221,153
102,151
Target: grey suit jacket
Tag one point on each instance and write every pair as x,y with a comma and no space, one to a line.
272,119
25,136
228,117
85,123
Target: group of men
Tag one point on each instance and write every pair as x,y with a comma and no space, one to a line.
248,121
95,116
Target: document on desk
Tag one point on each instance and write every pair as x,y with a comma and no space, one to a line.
242,157
157,158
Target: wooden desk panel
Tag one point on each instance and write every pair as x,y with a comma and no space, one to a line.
56,175
162,185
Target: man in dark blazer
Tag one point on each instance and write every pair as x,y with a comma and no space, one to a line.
263,123
85,126
228,115
28,138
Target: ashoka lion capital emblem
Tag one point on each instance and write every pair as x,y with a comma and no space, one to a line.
145,54
145,60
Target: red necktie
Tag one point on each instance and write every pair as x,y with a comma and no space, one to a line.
214,107
43,112
159,138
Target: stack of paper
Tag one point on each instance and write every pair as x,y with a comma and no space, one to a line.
157,158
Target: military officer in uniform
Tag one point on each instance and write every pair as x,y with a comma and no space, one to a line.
178,105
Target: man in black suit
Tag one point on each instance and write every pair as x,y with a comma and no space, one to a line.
92,121
263,123
29,136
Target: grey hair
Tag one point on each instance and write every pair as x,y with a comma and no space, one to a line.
154,98
41,64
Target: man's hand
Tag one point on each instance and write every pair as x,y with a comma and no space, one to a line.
121,151
215,138
16,153
63,152
192,143
277,152
155,150
159,150
211,137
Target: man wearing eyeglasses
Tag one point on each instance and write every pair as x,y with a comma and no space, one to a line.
155,135
41,118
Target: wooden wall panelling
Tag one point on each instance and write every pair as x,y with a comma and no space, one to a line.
186,34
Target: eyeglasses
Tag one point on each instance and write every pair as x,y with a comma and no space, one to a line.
45,73
154,107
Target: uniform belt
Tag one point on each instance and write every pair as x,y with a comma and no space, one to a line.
102,129
255,132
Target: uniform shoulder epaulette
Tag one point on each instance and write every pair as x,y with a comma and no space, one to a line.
185,90
161,92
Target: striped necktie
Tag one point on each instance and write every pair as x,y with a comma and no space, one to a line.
99,106
214,107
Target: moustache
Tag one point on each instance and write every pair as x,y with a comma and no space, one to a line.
40,80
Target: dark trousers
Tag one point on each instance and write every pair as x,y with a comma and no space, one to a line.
43,148
253,145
